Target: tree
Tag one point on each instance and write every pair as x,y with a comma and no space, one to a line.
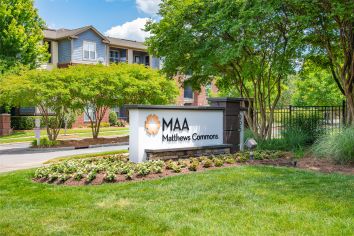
97,88
49,91
329,31
20,35
229,39
314,86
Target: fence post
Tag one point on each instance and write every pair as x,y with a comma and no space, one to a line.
290,115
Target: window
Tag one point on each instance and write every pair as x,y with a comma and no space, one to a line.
114,56
188,92
91,113
147,60
89,50
123,55
117,55
137,59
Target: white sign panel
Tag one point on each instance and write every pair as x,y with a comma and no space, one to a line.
172,128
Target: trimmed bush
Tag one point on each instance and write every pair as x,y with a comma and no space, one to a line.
112,118
339,146
22,122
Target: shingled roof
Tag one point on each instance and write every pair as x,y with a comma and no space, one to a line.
73,33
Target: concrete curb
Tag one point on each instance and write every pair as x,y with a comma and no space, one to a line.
82,147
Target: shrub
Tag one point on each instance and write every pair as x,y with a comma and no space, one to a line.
229,160
112,118
78,176
302,130
169,164
193,166
207,163
242,157
22,122
176,168
182,163
104,124
44,143
218,162
308,125
91,176
142,169
129,174
121,123
63,177
156,166
339,146
110,176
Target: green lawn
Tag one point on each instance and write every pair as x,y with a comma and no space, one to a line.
82,156
28,135
245,200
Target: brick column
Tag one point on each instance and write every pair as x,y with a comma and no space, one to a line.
233,107
5,124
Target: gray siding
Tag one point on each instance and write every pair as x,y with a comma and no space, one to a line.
64,51
77,55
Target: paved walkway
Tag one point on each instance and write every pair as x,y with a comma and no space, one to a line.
19,156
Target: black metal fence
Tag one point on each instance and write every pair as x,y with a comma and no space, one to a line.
330,118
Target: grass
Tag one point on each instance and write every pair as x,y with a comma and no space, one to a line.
28,135
337,146
247,200
82,156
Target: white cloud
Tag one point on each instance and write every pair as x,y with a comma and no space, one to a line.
132,30
150,7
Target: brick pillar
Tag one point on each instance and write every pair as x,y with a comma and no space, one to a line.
5,124
233,107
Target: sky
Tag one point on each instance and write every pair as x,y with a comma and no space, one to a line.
116,18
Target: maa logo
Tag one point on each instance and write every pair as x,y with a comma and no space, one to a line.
152,124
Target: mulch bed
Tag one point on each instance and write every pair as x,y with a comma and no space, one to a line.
309,163
90,141
324,165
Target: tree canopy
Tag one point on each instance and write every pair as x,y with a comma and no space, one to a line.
21,35
92,89
254,46
329,32
229,39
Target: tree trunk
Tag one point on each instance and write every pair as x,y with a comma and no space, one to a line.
350,109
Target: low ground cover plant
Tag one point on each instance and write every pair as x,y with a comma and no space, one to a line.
117,167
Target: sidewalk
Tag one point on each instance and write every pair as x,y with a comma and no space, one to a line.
18,156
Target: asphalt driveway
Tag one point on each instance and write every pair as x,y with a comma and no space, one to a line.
18,156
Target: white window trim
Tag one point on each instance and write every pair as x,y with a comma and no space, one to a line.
83,51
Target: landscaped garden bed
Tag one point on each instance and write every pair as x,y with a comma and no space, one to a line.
117,168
